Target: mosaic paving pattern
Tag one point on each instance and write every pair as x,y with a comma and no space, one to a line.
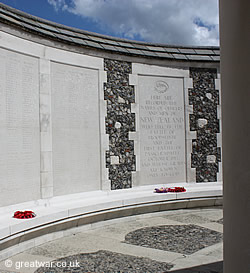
108,262
204,98
185,239
120,158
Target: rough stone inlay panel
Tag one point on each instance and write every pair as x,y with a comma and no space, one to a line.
205,99
120,158
186,239
107,261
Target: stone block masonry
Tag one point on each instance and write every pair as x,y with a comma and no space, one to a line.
120,158
204,120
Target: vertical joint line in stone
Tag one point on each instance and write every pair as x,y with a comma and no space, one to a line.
190,135
219,134
104,138
133,81
120,121
46,170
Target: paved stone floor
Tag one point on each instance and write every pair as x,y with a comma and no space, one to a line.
178,241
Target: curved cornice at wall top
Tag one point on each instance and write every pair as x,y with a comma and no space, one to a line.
77,37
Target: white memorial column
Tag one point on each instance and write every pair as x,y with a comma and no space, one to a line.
235,79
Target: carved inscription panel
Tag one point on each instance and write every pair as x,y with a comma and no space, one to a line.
19,128
162,130
75,125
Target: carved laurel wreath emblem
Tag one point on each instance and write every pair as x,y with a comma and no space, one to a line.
161,86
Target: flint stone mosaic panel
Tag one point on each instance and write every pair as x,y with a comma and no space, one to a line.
19,128
186,239
162,130
108,262
120,158
204,98
75,126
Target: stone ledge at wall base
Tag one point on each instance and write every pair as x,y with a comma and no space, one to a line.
62,216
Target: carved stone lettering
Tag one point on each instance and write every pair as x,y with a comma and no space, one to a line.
19,128
162,130
75,126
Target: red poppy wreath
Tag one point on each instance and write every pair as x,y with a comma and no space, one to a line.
24,214
173,189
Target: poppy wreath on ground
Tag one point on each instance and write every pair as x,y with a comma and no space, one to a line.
174,189
24,214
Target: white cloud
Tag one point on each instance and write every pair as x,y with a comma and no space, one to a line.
58,4
183,22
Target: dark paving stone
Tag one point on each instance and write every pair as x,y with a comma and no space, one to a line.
207,268
108,262
185,239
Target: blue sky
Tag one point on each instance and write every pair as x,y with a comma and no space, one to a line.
43,9
181,22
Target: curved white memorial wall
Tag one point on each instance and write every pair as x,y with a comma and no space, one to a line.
91,124
50,121
53,112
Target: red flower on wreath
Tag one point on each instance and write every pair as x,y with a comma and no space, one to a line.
177,189
24,214
174,189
